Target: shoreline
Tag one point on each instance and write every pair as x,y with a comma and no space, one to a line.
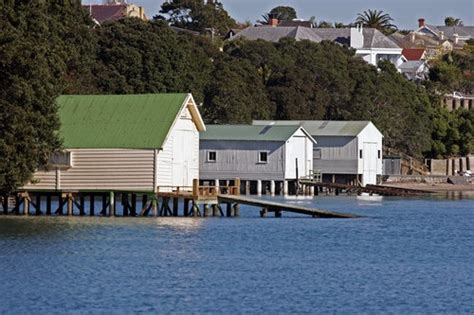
438,187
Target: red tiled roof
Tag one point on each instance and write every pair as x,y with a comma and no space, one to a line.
413,54
106,12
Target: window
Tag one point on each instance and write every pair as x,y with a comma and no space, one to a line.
262,157
360,154
211,156
379,154
60,159
317,154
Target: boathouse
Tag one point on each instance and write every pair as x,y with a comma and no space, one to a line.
124,143
267,159
347,152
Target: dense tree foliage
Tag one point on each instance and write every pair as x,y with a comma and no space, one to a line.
197,15
38,46
284,13
452,21
135,56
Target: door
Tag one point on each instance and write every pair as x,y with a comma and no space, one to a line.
182,158
369,156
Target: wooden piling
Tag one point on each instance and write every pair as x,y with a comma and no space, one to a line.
38,204
229,209
236,208
154,207
5,204
48,204
26,204
186,208
92,205
70,204
263,212
81,203
134,205
206,210
175,206
112,208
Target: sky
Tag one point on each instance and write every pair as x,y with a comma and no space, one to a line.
404,12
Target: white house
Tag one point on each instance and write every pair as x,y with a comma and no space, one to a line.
370,44
265,158
346,151
124,142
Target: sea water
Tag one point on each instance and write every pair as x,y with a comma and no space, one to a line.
407,256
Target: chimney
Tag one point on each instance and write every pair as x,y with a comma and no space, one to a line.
273,19
456,38
357,37
441,35
421,22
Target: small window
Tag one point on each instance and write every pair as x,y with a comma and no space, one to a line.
262,157
379,154
60,159
317,154
360,154
212,156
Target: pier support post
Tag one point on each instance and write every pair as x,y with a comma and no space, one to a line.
259,187
175,207
206,210
70,204
186,208
48,204
5,204
216,184
154,207
38,204
112,204
229,209
285,188
247,187
26,205
92,205
236,210
277,214
263,212
272,187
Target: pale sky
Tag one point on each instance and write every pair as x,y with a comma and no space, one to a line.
404,12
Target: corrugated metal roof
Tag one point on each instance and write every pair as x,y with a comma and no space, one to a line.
139,121
321,127
248,132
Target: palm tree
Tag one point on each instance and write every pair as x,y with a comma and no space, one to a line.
376,19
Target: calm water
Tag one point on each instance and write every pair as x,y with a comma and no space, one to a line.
406,256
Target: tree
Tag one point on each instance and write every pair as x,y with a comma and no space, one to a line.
451,21
136,56
284,13
197,15
235,95
376,19
38,47
325,24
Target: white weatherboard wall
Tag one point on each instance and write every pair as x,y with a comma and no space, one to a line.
178,162
300,147
369,140
99,169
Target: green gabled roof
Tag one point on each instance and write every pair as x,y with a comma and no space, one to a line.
248,132
139,121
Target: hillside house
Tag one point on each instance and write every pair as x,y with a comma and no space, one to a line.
267,159
114,10
348,152
124,142
370,44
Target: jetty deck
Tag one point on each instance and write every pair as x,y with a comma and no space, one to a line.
195,201
271,206
369,189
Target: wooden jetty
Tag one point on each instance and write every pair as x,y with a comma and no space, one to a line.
195,201
277,208
370,189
